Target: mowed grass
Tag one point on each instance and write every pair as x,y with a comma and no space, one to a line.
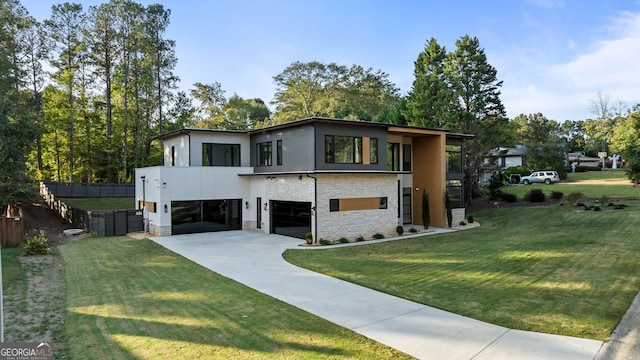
593,184
133,299
548,269
104,204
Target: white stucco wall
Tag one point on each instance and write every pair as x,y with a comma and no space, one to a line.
351,224
164,184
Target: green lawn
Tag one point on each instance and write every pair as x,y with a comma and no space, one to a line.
104,204
133,299
549,269
593,184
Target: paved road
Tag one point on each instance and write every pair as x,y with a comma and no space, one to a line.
255,259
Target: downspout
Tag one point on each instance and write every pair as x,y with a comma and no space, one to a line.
189,141
315,201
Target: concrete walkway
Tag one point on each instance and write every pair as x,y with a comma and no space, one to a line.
255,260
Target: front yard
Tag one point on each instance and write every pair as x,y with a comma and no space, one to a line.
549,269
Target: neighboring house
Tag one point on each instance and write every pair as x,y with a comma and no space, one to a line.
580,159
501,158
333,178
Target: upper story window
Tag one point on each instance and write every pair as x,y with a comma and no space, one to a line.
393,156
373,150
343,149
454,158
264,154
220,154
279,152
406,157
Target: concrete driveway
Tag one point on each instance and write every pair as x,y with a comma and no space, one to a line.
255,260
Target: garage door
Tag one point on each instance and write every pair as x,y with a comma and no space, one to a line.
205,215
290,218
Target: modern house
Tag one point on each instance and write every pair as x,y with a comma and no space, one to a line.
330,177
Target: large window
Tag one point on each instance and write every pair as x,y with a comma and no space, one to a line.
454,158
264,154
220,154
343,149
393,156
406,157
373,150
454,188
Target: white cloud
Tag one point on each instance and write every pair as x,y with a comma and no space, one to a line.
564,90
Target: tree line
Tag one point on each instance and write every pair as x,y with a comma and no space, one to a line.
84,93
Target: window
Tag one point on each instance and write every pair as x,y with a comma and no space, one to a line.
383,203
264,154
279,152
343,149
454,158
220,154
373,150
406,157
334,205
393,156
454,188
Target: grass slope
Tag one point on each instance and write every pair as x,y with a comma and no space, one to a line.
131,299
547,269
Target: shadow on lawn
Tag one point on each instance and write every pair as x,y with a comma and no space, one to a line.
133,336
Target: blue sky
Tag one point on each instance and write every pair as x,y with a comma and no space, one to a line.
554,56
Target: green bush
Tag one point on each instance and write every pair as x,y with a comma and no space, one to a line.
604,199
462,223
309,238
360,238
413,230
510,198
37,245
535,195
557,195
378,236
325,242
470,219
343,240
400,229
576,198
597,208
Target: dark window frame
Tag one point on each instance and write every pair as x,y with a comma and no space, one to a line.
373,150
393,156
264,154
334,205
406,157
330,149
454,167
234,158
279,152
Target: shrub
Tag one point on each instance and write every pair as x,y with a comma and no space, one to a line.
576,198
447,206
510,198
604,199
462,223
413,230
597,208
587,207
378,236
620,206
535,195
343,240
325,242
360,238
309,238
470,219
557,195
400,229
37,245
426,216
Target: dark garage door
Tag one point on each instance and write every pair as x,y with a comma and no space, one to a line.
205,215
290,218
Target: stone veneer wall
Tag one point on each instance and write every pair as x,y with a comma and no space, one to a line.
159,230
351,224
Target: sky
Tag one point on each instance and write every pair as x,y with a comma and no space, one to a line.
553,56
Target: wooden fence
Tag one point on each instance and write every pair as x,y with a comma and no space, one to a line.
103,223
11,227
